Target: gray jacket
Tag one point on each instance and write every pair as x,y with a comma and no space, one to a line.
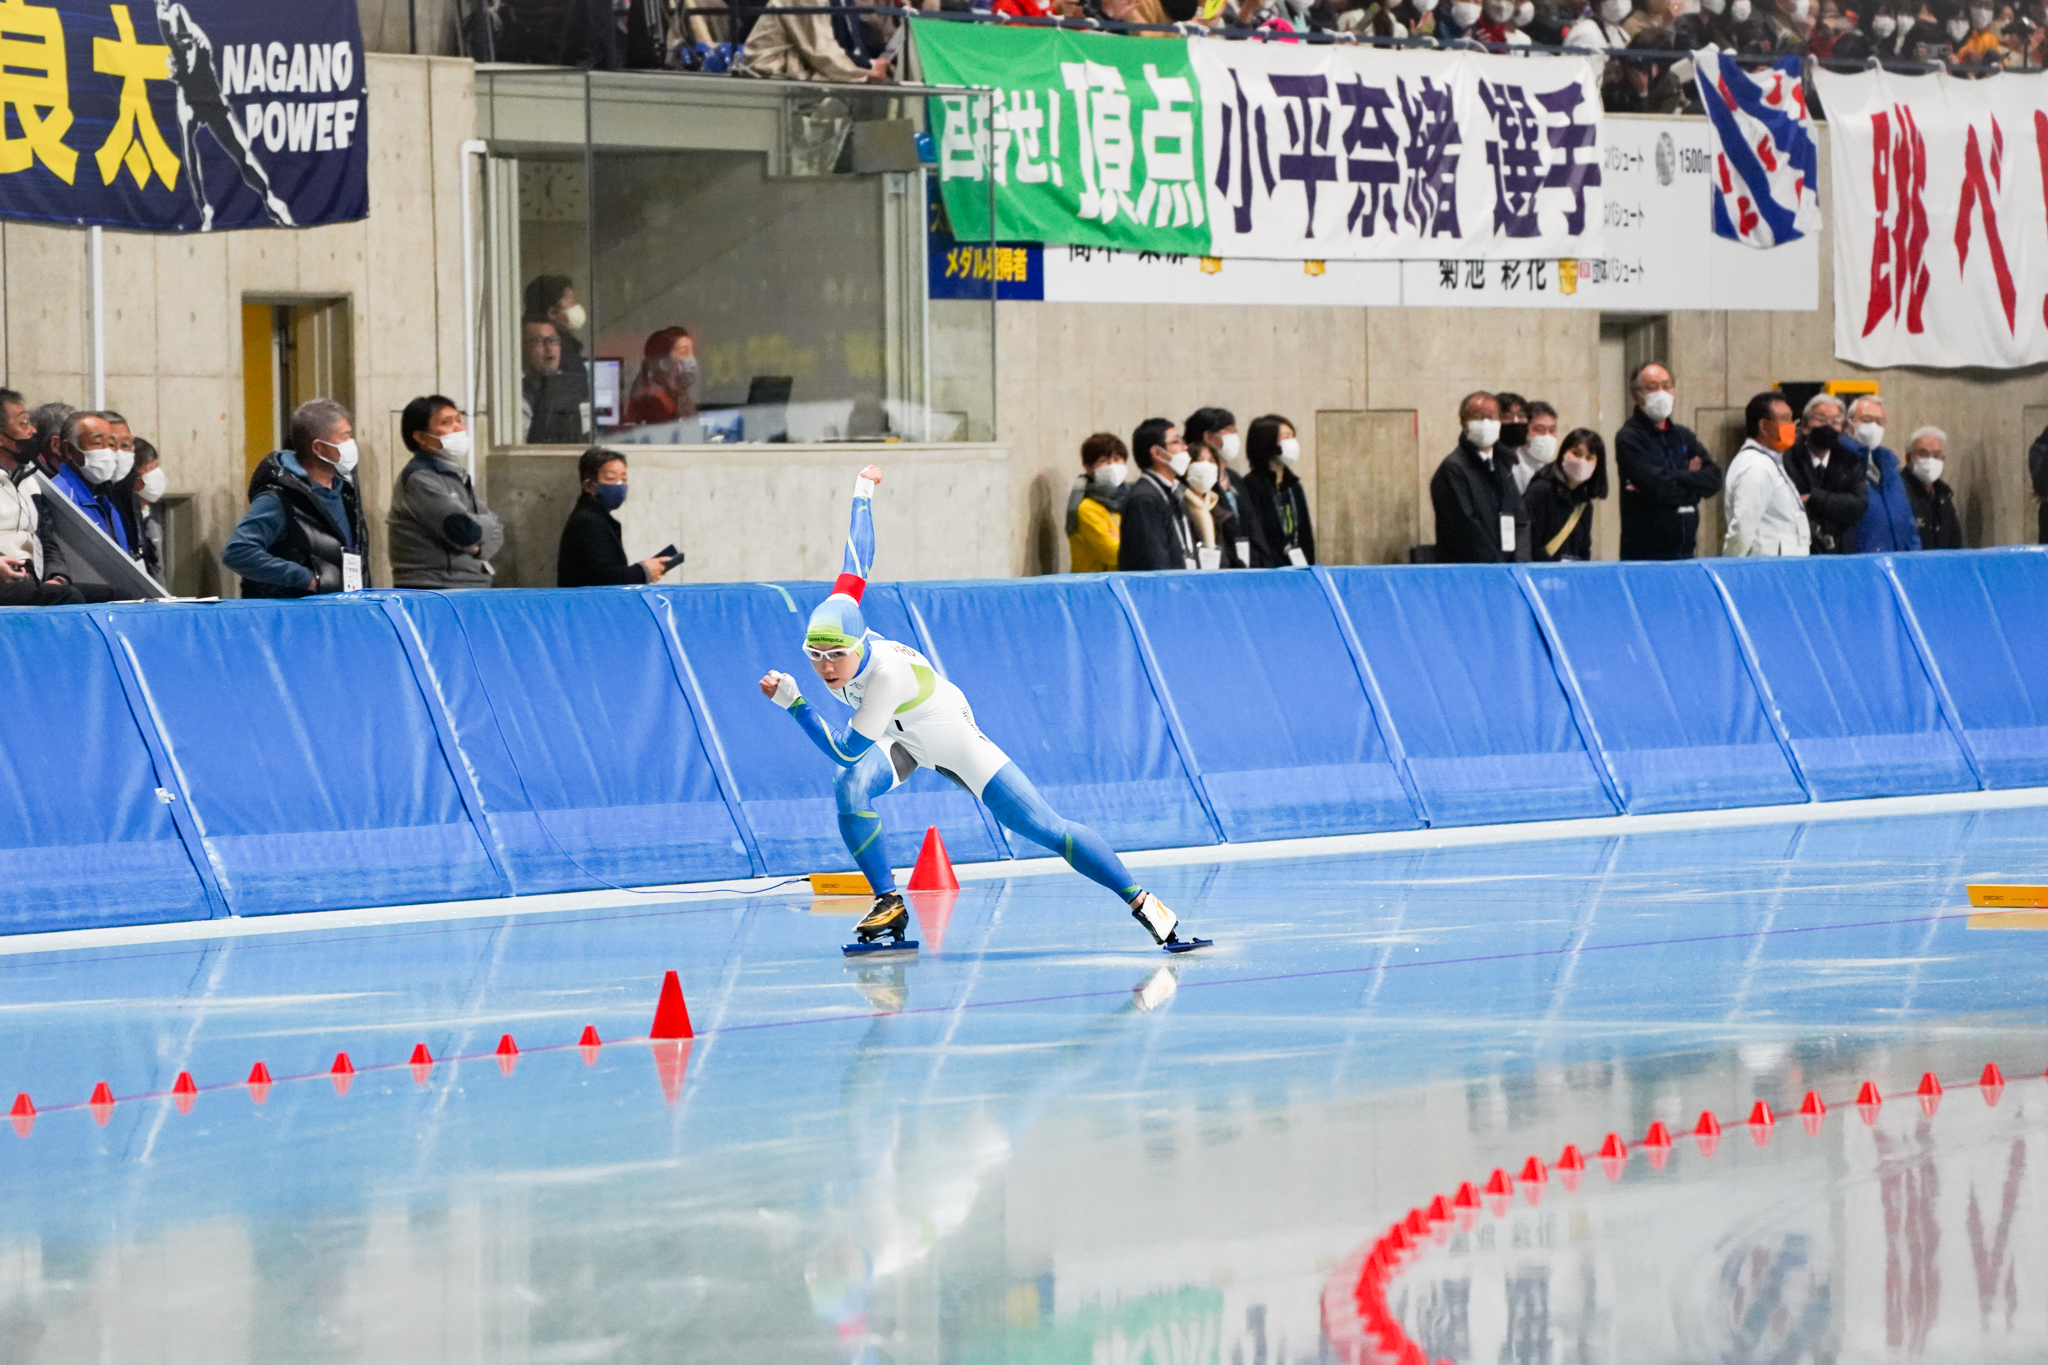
436,519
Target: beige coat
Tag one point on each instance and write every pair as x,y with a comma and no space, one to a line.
18,538
797,47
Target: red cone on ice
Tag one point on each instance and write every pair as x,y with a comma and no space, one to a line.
259,1083
1499,1189
934,870
101,1103
1868,1101
184,1090
1706,1134
508,1053
1570,1166
23,1115
1465,1205
671,1062
671,1015
342,1073
1533,1172
1415,1223
1813,1112
1761,1121
1992,1083
422,1064
588,1044
1439,1210
1613,1156
1929,1094
1657,1144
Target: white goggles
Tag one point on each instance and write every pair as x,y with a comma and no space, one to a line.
829,655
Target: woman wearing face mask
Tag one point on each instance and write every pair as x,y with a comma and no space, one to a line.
1095,504
593,549
1275,504
666,387
442,535
1215,430
1885,30
144,489
1212,516
1559,501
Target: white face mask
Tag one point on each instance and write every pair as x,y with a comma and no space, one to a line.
1738,10
1884,26
1424,6
1498,11
1231,445
1927,468
1178,462
1524,13
124,463
344,456
153,485
1800,9
1713,6
1578,469
1290,451
1482,432
1202,477
1657,405
455,445
1614,11
1869,435
1109,474
1982,17
1541,450
1531,461
575,317
1463,14
1959,29
100,466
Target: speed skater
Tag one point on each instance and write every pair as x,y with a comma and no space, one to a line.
908,717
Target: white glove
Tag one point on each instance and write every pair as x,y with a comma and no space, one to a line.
787,694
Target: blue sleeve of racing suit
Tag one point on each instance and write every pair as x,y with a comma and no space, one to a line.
860,534
845,751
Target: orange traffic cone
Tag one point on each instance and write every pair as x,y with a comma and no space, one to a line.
934,870
671,1015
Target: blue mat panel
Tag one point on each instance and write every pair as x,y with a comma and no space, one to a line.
84,839
1673,705
1838,659
1283,736
1985,619
1472,694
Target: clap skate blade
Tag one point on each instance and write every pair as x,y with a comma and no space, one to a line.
882,947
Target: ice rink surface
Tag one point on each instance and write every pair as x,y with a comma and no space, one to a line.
1043,1141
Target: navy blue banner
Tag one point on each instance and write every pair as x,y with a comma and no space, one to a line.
192,116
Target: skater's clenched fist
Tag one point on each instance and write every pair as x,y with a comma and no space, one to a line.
781,689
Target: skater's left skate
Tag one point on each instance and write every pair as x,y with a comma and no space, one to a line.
890,917
1162,924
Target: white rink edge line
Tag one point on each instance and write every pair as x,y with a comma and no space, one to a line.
1335,845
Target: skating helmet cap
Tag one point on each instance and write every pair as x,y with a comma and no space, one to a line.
836,624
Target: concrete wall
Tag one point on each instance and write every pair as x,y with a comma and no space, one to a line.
173,332
770,512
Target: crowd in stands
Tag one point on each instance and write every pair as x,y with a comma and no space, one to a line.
1519,488
855,43
96,462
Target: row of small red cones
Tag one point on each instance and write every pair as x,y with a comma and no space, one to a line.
670,1035
1408,1237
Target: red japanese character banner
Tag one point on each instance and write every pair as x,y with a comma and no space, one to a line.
1940,219
182,115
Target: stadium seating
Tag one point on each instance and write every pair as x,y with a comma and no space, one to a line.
180,762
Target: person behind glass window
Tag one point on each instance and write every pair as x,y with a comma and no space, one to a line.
1277,522
1766,514
442,535
551,399
666,387
1558,503
305,519
1095,504
1664,470
592,553
1155,532
1829,477
1934,502
554,297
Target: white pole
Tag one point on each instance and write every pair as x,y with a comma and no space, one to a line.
96,269
469,149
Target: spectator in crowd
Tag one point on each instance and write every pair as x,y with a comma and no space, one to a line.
1828,477
1215,430
1934,502
121,491
1829,25
1715,24
593,549
1212,512
666,387
550,398
26,577
1887,524
1558,503
1156,533
1649,84
1600,27
813,47
553,297
1095,504
1456,19
442,535
1885,28
2037,474
1940,28
1478,513
93,463
1514,435
46,447
145,489
1277,525
1664,472
304,532
1766,515
1418,17
1984,44
1539,446
1648,16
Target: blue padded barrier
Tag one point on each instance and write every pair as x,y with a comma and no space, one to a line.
1470,689
732,634
584,747
1984,618
1283,736
85,839
1055,677
314,765
1675,712
1841,664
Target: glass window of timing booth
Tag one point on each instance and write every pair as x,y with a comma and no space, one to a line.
677,260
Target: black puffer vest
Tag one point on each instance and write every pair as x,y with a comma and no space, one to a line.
310,538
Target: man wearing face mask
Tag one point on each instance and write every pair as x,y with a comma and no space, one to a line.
1539,444
1829,477
1664,471
592,551
1457,24
1478,512
1156,533
94,462
1766,515
442,535
1934,502
1095,504
1514,434
1983,44
1887,523
25,576
304,532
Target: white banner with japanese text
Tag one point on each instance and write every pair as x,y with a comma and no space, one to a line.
1275,151
1940,221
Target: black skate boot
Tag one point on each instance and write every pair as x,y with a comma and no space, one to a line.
1160,922
888,916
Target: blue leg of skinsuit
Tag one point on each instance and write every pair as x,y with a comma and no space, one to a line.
1015,802
859,824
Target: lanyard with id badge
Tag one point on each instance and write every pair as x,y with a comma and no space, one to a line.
351,571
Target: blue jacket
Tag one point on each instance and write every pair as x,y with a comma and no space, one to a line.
97,509
1887,524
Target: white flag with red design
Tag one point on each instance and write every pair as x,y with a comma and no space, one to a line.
1766,168
1941,224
